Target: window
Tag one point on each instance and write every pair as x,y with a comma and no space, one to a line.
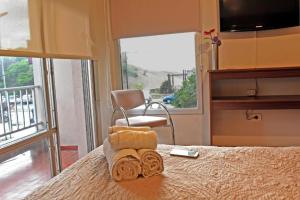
22,103
163,66
33,91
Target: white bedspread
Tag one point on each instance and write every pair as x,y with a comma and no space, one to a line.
218,173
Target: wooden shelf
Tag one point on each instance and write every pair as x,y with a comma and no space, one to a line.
258,102
283,72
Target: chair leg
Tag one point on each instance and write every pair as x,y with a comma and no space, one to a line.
173,134
172,131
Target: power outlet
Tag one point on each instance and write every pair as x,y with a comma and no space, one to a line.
254,117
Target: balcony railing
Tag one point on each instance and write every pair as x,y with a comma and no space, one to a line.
18,110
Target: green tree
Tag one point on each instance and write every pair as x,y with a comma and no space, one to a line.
138,86
186,96
132,71
19,73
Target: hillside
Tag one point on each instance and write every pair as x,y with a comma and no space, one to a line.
146,79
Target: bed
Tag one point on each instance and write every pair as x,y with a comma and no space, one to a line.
218,173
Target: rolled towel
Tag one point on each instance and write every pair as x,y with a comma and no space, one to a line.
124,164
152,162
114,129
133,140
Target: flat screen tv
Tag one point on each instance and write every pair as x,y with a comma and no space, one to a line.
254,15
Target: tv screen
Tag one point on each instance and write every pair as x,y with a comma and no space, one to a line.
254,15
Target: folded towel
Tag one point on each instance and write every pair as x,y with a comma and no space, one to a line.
114,129
152,162
124,164
133,140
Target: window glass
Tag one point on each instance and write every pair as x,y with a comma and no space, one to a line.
22,103
163,66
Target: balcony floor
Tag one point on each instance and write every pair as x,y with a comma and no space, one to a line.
23,173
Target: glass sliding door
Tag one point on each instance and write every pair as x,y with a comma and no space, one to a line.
26,157
47,120
73,105
89,103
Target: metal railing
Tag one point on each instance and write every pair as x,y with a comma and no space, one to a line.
18,110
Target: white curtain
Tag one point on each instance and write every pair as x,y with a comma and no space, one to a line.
67,27
132,18
14,24
46,28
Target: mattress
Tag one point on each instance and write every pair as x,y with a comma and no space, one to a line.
218,173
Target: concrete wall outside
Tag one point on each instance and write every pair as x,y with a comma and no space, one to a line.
70,105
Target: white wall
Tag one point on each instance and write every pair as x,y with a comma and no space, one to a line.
70,105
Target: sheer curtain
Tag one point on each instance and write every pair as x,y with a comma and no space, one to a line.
15,30
67,27
130,18
46,28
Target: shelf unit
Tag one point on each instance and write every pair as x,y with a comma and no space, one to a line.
256,103
283,72
271,102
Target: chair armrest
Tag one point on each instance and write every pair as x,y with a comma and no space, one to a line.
168,115
123,113
164,109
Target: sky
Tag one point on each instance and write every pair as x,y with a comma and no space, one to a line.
172,52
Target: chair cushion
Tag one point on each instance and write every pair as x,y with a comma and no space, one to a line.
143,121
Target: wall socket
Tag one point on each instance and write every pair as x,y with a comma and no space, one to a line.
254,116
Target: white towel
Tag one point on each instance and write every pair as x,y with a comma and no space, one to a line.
133,140
152,162
124,164
114,129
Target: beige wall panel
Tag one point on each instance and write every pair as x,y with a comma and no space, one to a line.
238,53
209,14
278,51
274,123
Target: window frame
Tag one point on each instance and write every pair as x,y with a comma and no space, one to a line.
174,111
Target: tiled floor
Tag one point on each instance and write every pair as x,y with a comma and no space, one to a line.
68,157
23,173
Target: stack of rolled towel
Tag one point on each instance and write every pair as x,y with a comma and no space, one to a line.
131,152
